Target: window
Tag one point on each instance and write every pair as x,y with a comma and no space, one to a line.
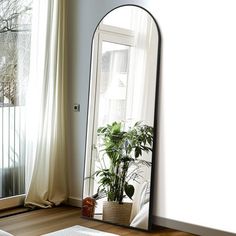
15,35
113,83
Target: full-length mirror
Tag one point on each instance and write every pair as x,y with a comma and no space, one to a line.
121,118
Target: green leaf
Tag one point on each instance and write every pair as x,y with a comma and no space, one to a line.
116,128
110,196
149,139
137,151
129,190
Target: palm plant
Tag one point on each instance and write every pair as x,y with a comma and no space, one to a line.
123,149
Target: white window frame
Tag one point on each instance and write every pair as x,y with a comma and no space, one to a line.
104,33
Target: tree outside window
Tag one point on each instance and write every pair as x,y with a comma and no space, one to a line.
15,34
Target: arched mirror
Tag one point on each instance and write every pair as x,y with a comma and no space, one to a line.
121,129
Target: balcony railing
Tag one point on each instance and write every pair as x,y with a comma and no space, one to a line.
12,141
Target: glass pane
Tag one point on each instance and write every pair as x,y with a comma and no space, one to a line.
113,83
15,36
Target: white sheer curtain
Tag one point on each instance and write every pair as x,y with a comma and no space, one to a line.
141,94
46,182
142,71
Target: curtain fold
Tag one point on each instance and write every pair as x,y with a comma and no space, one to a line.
141,107
143,68
46,164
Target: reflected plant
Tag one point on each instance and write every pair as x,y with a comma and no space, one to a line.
123,149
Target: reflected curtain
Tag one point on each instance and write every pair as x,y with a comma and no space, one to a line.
142,68
46,182
141,107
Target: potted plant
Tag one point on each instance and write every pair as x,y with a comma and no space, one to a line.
120,164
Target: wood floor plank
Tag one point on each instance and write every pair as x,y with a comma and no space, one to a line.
43,221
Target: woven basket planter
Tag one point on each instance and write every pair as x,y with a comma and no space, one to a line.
117,213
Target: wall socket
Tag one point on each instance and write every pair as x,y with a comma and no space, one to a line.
76,107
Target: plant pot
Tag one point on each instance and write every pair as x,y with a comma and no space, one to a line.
117,213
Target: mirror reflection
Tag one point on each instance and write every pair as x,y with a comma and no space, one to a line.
119,146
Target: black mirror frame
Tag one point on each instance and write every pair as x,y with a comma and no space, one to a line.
155,125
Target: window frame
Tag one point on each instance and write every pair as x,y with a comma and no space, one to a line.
103,33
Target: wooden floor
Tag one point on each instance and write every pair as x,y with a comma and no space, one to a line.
43,221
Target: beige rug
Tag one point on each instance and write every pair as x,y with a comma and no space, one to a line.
79,230
3,233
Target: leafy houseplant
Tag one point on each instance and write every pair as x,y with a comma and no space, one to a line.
123,150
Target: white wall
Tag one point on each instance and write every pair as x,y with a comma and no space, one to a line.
197,152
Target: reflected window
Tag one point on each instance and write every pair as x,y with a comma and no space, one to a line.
113,83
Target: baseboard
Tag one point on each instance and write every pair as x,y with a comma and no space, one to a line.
190,228
11,202
74,201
